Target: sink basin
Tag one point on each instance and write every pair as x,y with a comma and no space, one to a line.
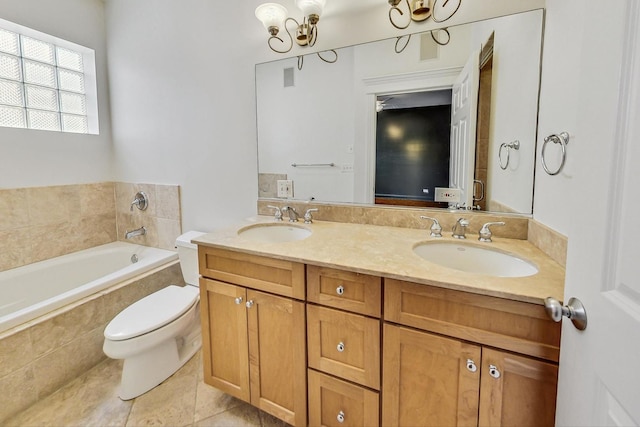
475,259
274,233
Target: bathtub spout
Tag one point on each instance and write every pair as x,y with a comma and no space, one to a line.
133,233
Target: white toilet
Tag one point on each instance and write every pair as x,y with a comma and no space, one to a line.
159,333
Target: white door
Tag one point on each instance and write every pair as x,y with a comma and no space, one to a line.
464,114
599,378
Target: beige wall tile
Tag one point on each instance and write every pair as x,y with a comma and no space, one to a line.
15,248
96,230
124,195
52,240
19,391
168,202
14,210
97,199
52,205
168,231
15,352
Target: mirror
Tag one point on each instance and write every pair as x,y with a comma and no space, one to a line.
317,126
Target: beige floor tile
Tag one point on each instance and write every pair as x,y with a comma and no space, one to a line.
243,415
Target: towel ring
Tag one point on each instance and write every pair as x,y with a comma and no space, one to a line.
563,140
508,145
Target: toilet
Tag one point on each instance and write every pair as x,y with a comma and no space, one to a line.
158,334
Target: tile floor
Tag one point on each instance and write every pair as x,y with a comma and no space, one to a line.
182,400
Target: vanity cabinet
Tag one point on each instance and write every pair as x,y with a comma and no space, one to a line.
253,339
448,359
343,333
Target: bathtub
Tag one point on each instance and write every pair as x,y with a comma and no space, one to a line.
36,289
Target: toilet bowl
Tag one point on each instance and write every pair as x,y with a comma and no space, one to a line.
158,334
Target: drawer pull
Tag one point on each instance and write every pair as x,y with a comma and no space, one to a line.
249,303
340,290
238,300
340,347
340,417
471,366
494,372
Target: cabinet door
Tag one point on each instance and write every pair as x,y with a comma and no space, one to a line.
517,390
333,402
225,350
428,380
277,357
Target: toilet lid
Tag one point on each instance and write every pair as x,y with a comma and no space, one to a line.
151,312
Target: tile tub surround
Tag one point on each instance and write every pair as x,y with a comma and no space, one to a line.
162,218
39,357
45,222
388,252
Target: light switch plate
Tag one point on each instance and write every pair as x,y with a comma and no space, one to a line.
285,188
447,195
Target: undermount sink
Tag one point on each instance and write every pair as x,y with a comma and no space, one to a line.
274,232
475,259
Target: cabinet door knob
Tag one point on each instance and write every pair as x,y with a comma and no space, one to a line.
238,300
494,372
340,417
340,347
249,303
340,290
471,365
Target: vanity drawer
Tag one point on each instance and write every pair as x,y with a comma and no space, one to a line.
344,344
511,325
272,275
360,293
333,402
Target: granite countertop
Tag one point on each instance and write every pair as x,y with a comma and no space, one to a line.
388,252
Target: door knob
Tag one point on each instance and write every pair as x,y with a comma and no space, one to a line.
574,310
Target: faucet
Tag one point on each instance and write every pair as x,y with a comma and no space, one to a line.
293,215
460,228
278,213
133,233
485,233
308,219
140,201
436,228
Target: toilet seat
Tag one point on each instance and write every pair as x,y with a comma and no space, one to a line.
152,312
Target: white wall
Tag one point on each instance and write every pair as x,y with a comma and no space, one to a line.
30,158
183,102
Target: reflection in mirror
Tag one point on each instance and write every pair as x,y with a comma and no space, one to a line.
317,127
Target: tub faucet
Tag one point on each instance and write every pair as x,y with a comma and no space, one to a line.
133,233
293,215
460,228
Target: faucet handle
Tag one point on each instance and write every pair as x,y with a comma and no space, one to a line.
485,233
278,213
436,228
308,219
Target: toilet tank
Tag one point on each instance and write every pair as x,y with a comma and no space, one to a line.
188,254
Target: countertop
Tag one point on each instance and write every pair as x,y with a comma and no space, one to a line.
388,252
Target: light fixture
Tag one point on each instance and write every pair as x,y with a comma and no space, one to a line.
274,17
421,10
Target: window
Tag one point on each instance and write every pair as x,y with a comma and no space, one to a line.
46,83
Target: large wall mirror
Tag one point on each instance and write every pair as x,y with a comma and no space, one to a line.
464,113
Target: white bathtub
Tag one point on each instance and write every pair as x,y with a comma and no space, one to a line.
36,289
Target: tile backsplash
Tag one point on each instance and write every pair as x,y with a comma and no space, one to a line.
39,223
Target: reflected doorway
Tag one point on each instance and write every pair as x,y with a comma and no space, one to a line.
412,147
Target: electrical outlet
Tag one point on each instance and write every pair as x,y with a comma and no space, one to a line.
285,188
447,195
346,168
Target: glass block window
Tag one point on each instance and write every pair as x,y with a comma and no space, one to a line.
45,83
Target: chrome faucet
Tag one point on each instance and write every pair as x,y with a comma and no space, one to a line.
133,233
460,228
308,219
140,201
436,228
293,215
484,235
278,213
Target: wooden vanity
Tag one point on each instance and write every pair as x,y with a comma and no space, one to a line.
315,343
